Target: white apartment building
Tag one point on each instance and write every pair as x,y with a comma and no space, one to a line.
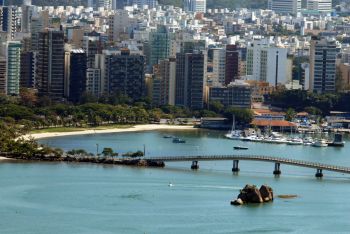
285,6
268,63
319,5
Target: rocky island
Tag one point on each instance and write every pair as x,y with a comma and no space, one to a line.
251,194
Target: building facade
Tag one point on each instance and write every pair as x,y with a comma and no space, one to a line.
237,94
267,63
125,74
13,57
285,6
195,5
319,5
3,76
50,64
77,74
323,55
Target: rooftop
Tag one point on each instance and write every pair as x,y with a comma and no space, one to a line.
272,123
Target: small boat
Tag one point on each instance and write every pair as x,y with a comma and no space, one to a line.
240,148
295,141
320,143
308,141
167,136
178,140
170,184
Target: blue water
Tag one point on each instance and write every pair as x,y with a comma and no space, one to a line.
87,198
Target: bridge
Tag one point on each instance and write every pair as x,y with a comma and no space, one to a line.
236,158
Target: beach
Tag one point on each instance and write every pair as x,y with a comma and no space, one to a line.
136,128
4,158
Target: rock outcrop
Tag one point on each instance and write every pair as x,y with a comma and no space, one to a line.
251,194
266,193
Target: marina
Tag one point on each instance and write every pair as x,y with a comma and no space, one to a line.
278,138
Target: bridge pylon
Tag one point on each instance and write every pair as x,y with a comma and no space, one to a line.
235,167
194,165
277,170
319,173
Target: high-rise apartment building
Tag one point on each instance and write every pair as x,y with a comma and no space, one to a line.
285,6
323,56
159,45
77,74
232,63
319,5
195,5
93,81
125,74
28,69
92,45
27,12
267,63
3,85
219,65
50,64
191,71
142,3
8,20
13,57
164,82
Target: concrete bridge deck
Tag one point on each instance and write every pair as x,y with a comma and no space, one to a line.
236,158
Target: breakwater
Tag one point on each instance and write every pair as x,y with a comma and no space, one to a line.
139,162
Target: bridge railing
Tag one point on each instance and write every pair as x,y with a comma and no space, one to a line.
294,162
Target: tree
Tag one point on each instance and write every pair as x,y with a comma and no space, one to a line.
313,110
242,116
290,114
108,152
216,106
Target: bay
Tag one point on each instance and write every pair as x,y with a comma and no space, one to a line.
87,198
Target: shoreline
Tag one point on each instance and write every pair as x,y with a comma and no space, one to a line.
5,158
136,128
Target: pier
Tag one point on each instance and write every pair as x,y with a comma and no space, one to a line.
320,167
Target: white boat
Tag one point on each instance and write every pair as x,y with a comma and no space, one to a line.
320,143
275,138
295,141
308,141
234,134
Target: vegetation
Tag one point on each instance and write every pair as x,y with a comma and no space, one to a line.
108,152
40,115
78,152
290,114
136,154
13,144
312,103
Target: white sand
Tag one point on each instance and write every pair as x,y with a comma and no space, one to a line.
4,158
137,128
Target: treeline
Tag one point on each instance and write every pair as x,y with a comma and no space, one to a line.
319,104
34,112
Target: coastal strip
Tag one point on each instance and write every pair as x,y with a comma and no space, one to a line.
136,128
137,162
